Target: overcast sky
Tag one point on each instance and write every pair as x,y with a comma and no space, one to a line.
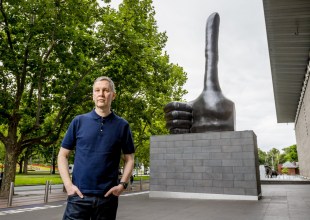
244,67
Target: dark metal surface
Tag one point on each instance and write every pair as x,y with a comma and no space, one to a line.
211,111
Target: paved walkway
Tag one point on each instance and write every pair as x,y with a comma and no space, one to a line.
279,202
31,195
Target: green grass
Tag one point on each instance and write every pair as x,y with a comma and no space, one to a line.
37,178
136,178
40,178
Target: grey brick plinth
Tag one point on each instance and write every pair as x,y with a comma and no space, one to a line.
224,163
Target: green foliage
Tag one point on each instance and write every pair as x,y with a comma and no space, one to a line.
261,157
285,170
282,159
290,153
274,157
144,78
50,53
46,53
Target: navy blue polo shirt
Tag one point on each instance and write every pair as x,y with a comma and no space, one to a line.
98,143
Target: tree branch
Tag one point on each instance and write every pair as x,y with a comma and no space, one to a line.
62,112
30,94
39,104
49,51
39,140
143,131
41,78
2,138
6,25
20,90
5,114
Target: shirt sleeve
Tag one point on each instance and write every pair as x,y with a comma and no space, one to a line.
69,140
128,145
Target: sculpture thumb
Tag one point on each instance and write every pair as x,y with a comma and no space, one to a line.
211,52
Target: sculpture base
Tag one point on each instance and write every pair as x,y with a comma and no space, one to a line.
185,195
213,165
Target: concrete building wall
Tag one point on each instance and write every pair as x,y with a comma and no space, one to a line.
302,130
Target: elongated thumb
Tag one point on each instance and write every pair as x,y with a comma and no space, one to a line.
211,53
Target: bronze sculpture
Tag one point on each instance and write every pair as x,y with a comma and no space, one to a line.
211,111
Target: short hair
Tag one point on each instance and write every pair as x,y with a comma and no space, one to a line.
101,78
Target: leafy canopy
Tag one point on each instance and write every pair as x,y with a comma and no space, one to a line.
50,53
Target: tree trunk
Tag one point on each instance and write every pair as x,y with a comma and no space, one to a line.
9,171
26,159
54,164
26,165
20,163
53,161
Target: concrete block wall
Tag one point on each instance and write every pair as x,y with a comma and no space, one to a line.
302,131
209,163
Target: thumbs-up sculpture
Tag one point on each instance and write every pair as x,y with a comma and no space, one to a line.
211,111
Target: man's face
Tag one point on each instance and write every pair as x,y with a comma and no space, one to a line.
103,95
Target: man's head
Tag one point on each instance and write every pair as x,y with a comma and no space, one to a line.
101,78
103,93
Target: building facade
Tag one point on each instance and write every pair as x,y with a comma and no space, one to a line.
288,34
302,129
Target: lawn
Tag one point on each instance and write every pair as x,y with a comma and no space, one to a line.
40,178
37,178
136,178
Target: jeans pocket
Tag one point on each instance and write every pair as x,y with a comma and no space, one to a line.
77,208
70,197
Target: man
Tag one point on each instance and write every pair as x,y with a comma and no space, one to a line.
98,137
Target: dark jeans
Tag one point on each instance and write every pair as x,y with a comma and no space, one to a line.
91,207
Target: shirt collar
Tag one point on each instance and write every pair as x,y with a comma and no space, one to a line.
96,116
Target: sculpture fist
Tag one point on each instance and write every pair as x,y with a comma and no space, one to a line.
178,117
211,111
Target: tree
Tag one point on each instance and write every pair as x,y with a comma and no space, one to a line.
290,153
50,53
272,158
24,158
282,159
49,156
2,155
135,46
284,170
46,53
261,157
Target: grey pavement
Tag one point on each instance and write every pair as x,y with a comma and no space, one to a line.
281,202
278,202
36,187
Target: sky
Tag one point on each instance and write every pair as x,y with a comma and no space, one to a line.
243,69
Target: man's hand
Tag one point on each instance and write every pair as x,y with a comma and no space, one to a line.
72,189
115,190
63,169
129,164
